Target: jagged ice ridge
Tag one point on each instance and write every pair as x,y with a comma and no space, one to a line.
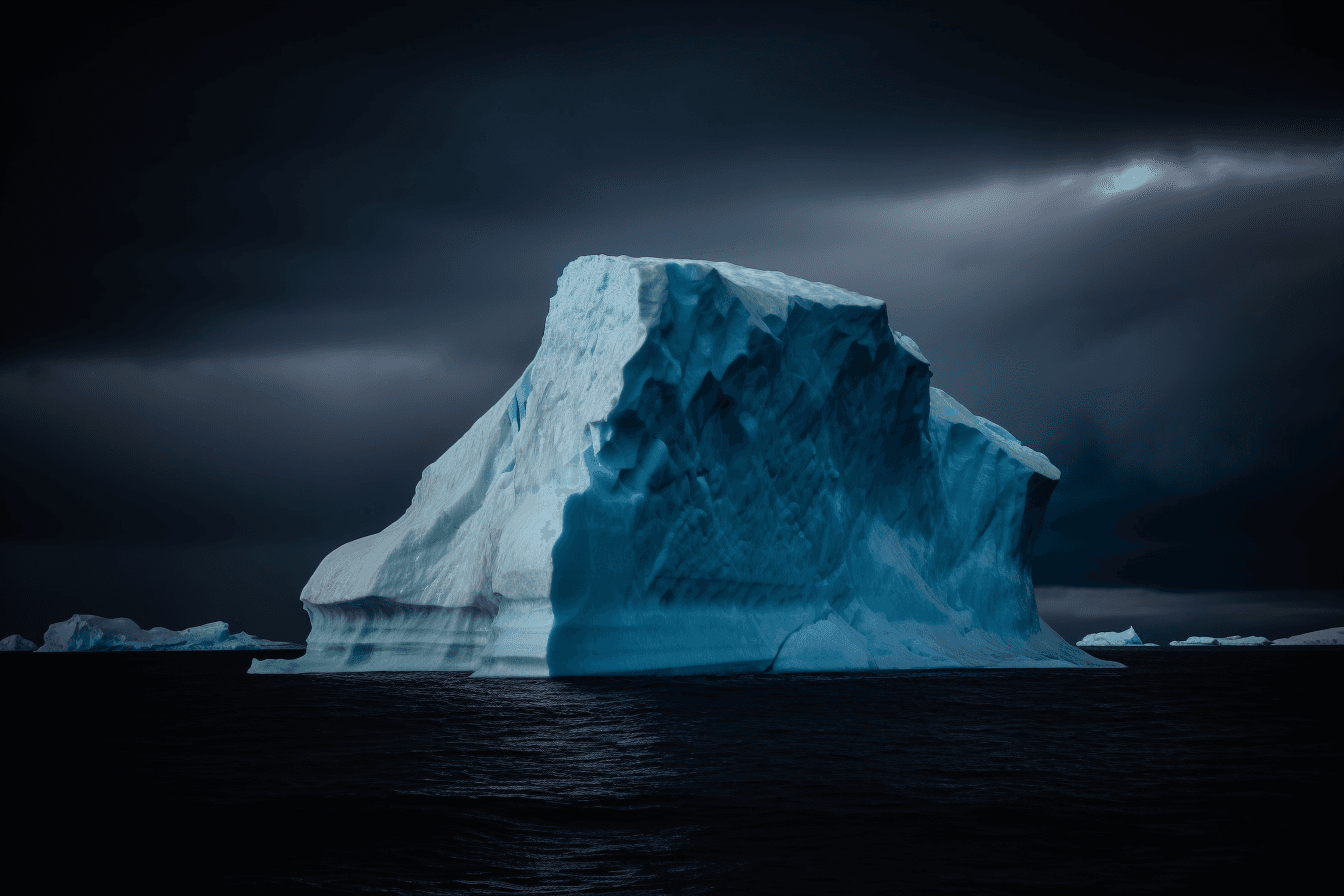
705,468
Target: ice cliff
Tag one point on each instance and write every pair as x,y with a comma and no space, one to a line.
705,468
84,632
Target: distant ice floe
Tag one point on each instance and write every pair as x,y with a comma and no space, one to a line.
1229,641
16,643
1325,636
1126,638
95,633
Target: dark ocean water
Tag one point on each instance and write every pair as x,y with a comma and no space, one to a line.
178,773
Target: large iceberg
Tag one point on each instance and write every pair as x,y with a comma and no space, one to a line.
85,632
1126,638
705,468
1325,636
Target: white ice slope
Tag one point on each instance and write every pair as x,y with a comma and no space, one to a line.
705,468
83,632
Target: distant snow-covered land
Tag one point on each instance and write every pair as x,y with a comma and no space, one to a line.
1165,616
1323,637
92,633
1229,641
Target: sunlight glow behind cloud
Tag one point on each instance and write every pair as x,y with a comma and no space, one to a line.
1131,178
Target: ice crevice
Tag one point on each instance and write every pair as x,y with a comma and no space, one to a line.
705,468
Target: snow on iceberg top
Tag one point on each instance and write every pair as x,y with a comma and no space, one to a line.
945,407
765,294
641,286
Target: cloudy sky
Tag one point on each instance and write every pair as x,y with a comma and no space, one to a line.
265,265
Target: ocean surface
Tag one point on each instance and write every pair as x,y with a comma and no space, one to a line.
1190,768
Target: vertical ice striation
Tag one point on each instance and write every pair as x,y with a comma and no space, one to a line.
705,468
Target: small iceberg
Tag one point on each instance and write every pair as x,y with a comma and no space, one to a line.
1325,636
1229,641
15,644
91,633
1126,638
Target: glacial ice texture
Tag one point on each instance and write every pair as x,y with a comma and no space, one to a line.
1126,638
1325,636
705,468
16,643
83,632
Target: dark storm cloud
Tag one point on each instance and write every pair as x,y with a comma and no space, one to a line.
273,263
205,165
245,446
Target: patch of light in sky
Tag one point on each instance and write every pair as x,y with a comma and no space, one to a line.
1005,205
1215,168
1131,178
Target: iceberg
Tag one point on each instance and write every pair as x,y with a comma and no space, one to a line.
704,469
82,632
1126,638
1229,641
1325,636
16,643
